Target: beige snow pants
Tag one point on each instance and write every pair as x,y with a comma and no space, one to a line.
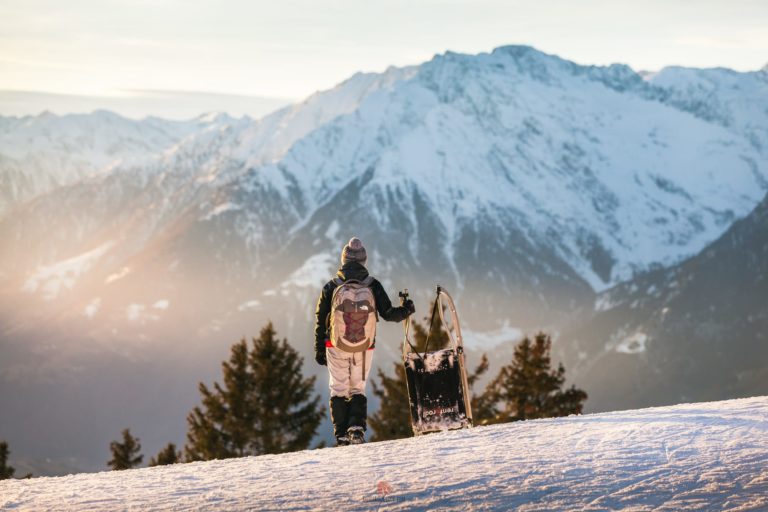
348,371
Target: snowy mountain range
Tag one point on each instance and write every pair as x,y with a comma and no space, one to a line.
530,186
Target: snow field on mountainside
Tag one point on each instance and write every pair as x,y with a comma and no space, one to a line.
560,154
705,456
52,279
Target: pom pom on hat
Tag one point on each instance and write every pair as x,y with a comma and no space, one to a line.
354,251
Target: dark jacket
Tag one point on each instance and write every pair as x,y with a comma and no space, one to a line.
356,271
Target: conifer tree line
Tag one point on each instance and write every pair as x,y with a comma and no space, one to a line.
168,455
125,454
263,405
529,388
6,471
525,388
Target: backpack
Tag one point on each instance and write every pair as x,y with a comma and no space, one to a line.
353,315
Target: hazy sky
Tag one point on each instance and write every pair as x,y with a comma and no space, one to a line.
291,48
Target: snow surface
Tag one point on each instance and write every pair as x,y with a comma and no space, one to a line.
93,307
249,304
117,275
736,100
161,304
219,209
40,153
141,313
52,279
134,311
633,344
313,273
706,456
490,339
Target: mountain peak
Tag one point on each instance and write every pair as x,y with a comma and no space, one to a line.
517,50
214,117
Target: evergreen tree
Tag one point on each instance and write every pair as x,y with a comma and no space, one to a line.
528,388
219,429
125,455
167,455
482,404
264,405
393,419
6,471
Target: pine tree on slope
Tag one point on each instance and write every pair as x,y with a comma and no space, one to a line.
528,388
6,471
219,428
265,405
125,455
482,404
393,419
167,455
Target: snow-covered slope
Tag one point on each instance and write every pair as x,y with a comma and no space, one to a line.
706,456
40,153
538,149
738,101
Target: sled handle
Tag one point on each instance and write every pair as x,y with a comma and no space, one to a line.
435,305
406,326
458,340
458,343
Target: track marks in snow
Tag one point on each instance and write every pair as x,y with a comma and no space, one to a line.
689,457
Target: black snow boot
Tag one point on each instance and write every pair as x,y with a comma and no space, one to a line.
356,435
342,441
340,416
358,411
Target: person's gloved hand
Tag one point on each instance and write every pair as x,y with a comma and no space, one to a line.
409,306
320,357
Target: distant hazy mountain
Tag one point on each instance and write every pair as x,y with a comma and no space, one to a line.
685,333
139,104
524,183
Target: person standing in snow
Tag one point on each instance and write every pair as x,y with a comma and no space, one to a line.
346,316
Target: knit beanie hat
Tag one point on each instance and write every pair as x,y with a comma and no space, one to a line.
354,251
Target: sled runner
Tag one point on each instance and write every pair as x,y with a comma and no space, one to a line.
437,381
